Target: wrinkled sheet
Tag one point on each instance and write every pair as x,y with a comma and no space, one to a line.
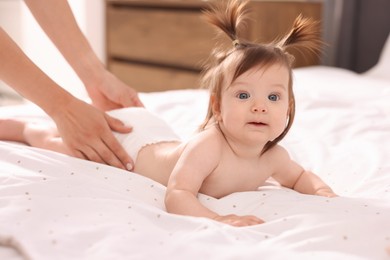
54,206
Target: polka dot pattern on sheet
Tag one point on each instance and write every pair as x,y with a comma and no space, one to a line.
74,207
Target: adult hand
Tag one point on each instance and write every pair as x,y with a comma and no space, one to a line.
239,221
87,133
57,20
85,130
111,93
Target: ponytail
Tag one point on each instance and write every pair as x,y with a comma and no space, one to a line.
229,18
304,34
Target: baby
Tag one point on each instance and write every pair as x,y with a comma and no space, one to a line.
251,109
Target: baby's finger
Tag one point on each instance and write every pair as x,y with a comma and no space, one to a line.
255,219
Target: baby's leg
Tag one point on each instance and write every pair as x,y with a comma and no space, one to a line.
34,134
12,130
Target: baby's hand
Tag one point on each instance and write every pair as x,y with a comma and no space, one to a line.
326,192
239,221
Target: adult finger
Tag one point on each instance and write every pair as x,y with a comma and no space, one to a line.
78,154
101,153
131,99
116,155
117,125
90,154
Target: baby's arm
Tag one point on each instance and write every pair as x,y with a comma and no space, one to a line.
186,179
198,160
309,183
289,174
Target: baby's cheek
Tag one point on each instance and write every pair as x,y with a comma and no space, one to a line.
279,129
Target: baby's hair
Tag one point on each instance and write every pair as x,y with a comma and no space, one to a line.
229,18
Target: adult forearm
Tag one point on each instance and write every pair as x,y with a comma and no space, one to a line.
57,20
18,71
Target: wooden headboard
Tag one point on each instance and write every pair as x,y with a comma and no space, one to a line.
156,45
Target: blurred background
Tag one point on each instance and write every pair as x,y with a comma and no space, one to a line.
354,30
17,21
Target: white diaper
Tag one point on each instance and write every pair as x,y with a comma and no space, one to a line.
148,128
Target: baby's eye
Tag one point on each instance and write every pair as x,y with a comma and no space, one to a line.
243,95
273,97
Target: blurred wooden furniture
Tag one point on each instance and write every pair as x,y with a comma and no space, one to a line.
156,45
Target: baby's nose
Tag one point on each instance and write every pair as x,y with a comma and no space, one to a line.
259,108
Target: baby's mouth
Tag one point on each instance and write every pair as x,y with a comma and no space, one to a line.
257,123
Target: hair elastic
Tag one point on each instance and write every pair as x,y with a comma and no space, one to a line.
235,43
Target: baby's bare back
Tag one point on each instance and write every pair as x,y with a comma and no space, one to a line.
156,161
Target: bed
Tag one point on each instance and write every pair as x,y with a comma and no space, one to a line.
57,207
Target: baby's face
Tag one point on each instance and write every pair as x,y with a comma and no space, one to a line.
255,106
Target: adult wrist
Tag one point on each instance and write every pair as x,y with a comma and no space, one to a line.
89,69
58,103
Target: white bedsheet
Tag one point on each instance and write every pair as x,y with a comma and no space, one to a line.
56,207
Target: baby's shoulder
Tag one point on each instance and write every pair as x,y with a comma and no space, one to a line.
209,139
210,135
277,154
